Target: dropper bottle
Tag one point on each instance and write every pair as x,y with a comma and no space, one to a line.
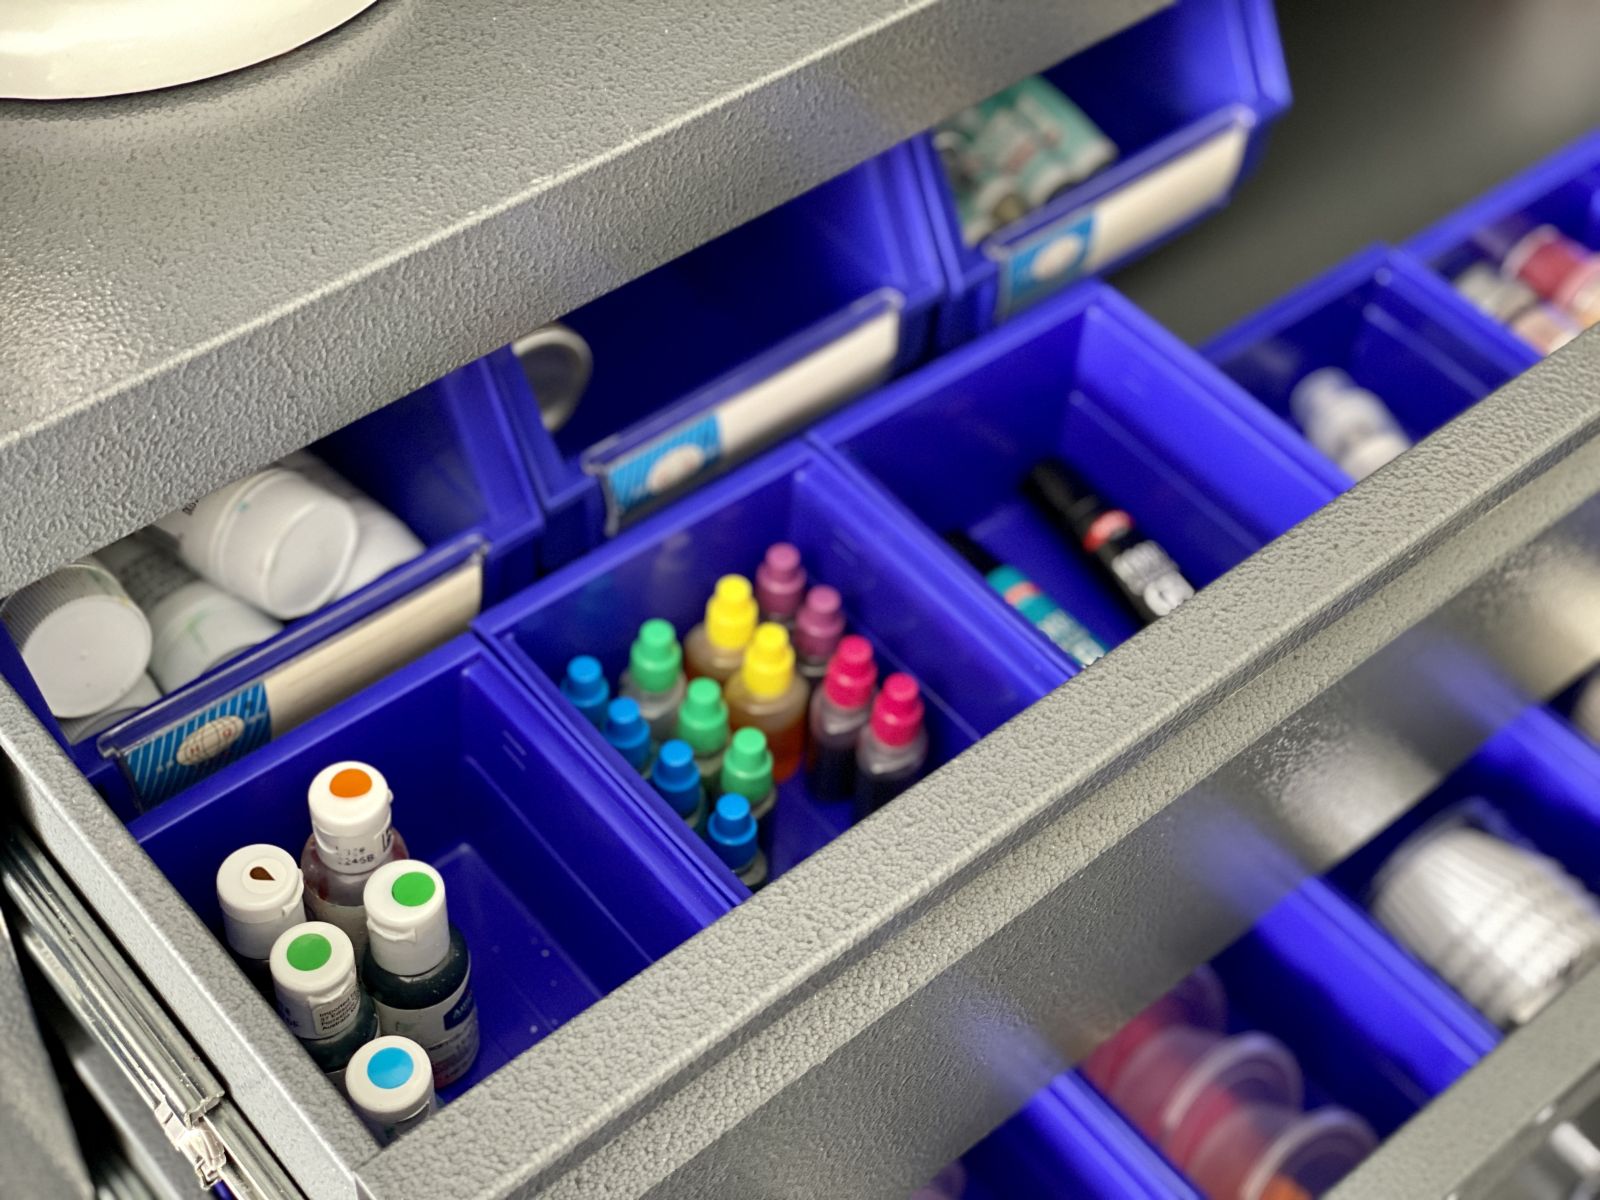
893,748
840,708
767,695
655,676
703,723
715,647
818,626
780,584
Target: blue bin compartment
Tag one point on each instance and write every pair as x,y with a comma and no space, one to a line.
441,460
976,667
1395,327
1089,378
564,886
837,286
1186,95
1562,190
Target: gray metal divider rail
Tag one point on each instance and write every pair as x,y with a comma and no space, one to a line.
880,1007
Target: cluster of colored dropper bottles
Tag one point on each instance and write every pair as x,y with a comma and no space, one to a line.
767,682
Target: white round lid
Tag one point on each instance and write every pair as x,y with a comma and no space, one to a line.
390,1077
350,808
408,927
312,959
260,890
63,49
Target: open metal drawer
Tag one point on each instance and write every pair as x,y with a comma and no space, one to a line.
1019,903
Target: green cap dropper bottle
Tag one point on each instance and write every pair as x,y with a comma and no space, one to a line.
747,770
703,723
655,660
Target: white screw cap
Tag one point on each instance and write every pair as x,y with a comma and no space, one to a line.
350,806
408,927
260,890
389,1079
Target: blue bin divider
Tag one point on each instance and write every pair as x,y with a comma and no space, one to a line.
1067,1142
440,459
710,326
976,667
1090,378
563,885
1394,326
1561,190
1186,95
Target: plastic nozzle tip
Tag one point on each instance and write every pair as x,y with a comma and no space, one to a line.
703,717
626,730
780,580
732,830
897,712
731,613
819,622
585,681
655,660
851,672
768,667
675,766
747,767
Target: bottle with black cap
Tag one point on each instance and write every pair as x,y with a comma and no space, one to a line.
1144,574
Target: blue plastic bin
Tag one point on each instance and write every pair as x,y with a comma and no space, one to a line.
837,288
1186,95
564,886
977,667
441,459
1090,378
1393,325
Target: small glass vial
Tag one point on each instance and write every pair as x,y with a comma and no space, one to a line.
585,687
703,723
677,777
715,647
747,772
780,584
893,748
840,708
1347,422
350,839
655,677
628,734
418,968
390,1084
732,834
767,695
319,997
260,891
817,629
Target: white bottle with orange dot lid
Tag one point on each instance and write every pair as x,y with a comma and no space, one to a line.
350,839
390,1082
259,889
418,968
319,997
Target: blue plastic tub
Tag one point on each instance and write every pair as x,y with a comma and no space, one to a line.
1186,95
976,666
1393,325
563,885
1090,378
851,281
441,459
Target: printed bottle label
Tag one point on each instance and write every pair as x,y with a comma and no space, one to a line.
1147,572
448,1031
314,1020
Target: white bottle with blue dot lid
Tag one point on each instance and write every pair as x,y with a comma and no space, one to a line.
390,1082
418,969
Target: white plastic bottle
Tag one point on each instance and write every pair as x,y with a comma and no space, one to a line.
260,891
319,997
383,540
82,638
351,837
390,1083
273,538
194,625
139,697
1347,422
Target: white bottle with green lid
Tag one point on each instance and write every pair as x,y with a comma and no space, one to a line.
418,969
319,996
259,889
390,1082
